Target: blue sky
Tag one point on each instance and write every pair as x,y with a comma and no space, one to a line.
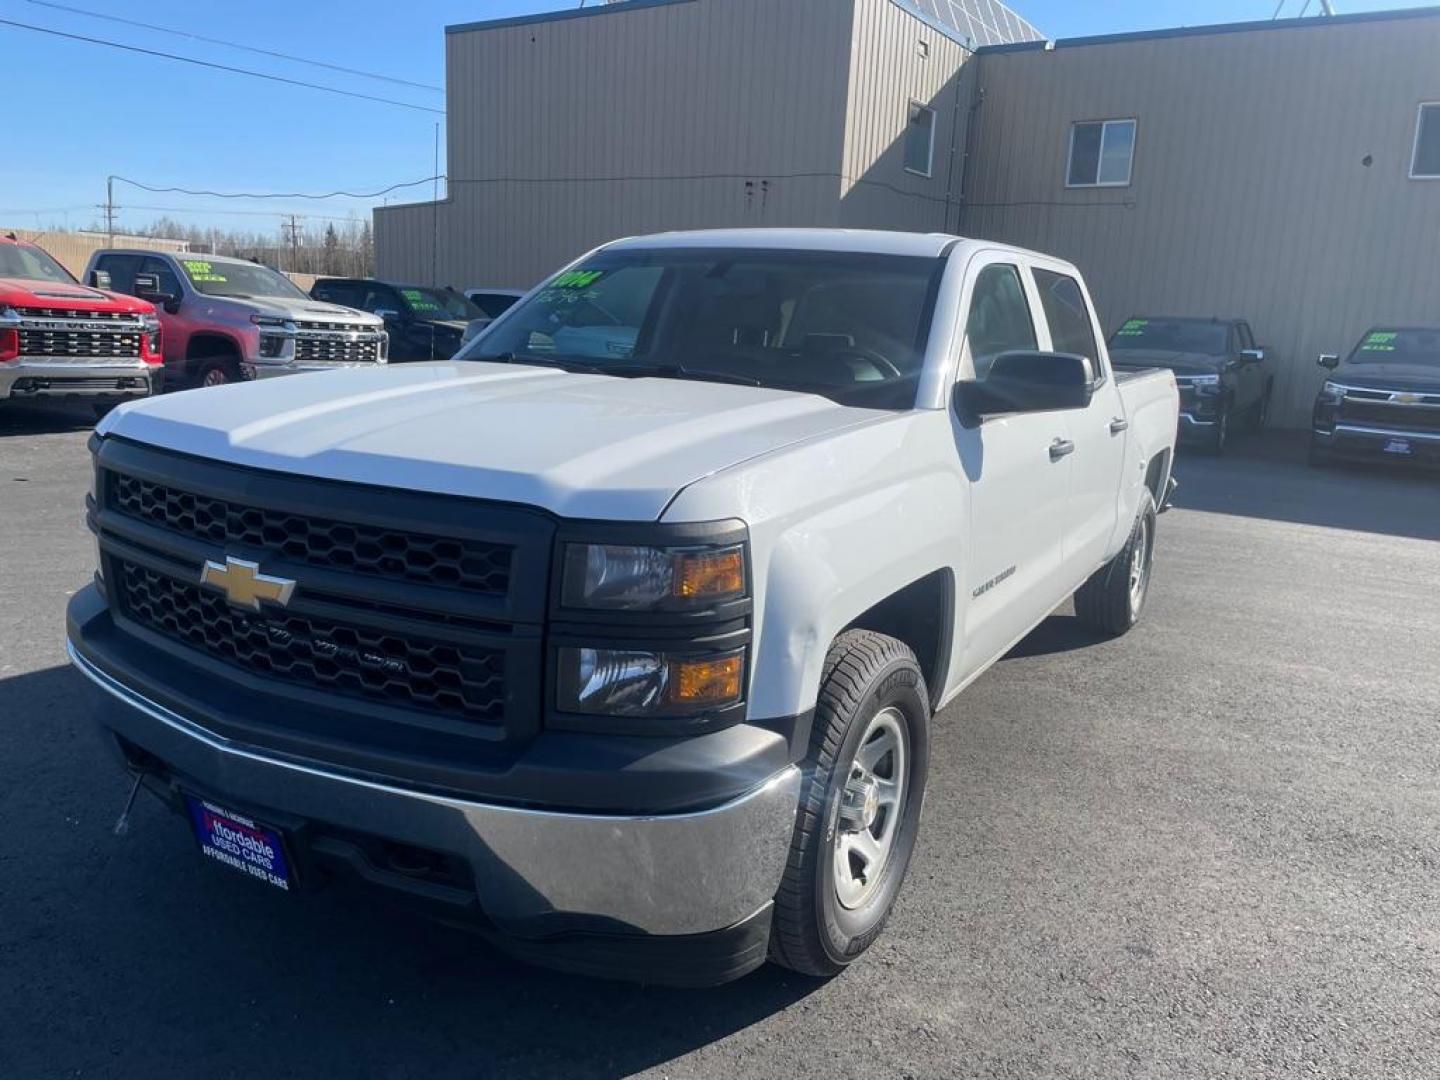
83,111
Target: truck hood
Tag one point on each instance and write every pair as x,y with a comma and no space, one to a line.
302,310
1182,363
586,446
29,292
1421,378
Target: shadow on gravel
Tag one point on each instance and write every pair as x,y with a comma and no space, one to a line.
1268,476
132,957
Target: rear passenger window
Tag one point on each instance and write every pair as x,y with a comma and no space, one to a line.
1071,329
1000,319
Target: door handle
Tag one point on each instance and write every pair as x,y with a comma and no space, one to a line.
1118,425
1061,448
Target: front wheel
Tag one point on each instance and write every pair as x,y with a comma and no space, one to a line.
217,373
1221,435
1114,596
860,807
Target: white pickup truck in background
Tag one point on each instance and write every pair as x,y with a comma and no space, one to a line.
620,635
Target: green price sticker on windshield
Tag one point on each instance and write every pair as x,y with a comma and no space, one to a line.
577,279
199,270
1132,328
416,299
1379,341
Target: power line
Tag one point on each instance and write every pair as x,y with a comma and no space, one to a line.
237,45
218,67
277,194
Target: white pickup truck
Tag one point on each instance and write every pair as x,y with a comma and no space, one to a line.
620,636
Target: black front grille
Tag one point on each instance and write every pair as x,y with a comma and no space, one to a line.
1383,414
350,660
336,349
79,343
475,565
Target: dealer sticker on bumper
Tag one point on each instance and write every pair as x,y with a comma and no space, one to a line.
1397,446
239,843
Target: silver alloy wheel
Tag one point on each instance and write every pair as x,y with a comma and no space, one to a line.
872,805
1140,567
214,376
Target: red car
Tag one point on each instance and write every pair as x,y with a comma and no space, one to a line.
61,339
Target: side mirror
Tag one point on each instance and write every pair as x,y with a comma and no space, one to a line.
1328,360
1027,382
99,279
1255,356
147,287
388,314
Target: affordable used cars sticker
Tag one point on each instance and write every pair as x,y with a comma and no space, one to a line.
1132,328
1379,341
416,299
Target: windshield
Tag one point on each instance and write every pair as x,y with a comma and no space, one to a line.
1398,347
1172,335
239,279
849,326
24,261
439,304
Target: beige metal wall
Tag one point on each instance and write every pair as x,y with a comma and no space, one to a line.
564,134
1251,194
895,59
72,249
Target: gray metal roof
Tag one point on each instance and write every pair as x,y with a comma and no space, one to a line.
973,23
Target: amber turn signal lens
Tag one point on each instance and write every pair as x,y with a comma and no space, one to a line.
710,680
710,574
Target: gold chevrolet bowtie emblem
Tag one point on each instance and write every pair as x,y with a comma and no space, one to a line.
1402,398
244,585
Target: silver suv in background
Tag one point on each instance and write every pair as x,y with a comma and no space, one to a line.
227,319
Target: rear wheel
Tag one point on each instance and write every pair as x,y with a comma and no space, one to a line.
1113,598
216,373
860,807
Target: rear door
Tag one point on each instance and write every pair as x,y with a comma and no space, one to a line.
1018,483
1098,432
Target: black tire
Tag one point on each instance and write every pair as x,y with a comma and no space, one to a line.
867,677
1108,601
1262,410
218,372
1220,437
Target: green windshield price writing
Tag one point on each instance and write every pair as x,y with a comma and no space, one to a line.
416,299
577,279
1380,341
1133,327
201,271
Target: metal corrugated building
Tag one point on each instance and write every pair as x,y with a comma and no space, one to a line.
572,128
1270,178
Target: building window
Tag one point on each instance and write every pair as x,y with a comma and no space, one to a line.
1101,153
1425,160
920,140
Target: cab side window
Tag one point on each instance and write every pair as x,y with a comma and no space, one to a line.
169,280
121,269
1000,319
1071,328
336,292
1247,340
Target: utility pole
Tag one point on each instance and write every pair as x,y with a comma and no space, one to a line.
291,225
109,209
435,213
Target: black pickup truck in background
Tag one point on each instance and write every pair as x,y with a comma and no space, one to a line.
1383,401
424,323
1222,374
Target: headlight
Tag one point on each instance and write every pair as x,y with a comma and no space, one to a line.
627,578
272,345
1332,393
628,682
150,324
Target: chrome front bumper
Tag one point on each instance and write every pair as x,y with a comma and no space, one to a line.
260,370
43,376
535,871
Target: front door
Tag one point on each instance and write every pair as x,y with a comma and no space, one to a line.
1018,473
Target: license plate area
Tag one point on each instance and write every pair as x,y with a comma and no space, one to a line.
240,842
1397,446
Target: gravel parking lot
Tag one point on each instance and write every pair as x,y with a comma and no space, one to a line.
1208,849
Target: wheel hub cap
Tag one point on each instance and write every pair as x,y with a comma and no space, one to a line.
872,805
